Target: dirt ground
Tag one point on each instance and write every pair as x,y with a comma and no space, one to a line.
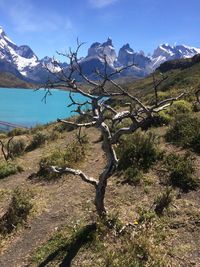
69,200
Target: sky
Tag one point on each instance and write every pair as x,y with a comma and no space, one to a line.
48,26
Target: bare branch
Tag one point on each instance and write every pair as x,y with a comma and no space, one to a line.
156,84
76,125
167,102
82,175
6,151
139,115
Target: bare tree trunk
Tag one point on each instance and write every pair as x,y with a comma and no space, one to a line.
139,114
99,199
110,168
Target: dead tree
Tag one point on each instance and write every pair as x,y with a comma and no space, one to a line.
140,116
6,151
156,84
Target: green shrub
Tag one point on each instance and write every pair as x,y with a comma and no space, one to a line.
181,171
17,147
163,201
3,135
18,131
54,135
146,215
67,157
37,128
7,169
138,150
163,118
133,176
185,132
18,210
63,127
38,140
166,116
180,107
137,153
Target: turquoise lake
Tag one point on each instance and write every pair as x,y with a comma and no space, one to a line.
25,106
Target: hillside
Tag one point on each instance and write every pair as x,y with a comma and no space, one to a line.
182,75
11,81
153,199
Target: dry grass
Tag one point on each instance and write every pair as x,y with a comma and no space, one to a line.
68,201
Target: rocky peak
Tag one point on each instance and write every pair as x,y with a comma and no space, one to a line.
126,55
96,44
98,50
108,42
164,50
127,47
2,33
25,51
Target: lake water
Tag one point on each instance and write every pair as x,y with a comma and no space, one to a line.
25,106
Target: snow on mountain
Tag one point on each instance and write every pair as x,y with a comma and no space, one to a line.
50,64
15,55
126,55
21,60
165,52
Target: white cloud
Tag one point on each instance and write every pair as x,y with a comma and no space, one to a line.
26,17
101,3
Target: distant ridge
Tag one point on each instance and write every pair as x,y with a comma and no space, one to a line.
23,63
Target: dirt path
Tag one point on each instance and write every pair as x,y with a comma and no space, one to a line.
65,202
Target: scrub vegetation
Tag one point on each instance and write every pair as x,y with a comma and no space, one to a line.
49,216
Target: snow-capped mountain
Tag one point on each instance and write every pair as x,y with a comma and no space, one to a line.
165,52
127,56
95,58
23,62
98,50
23,59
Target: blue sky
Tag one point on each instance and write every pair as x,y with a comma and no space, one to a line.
50,25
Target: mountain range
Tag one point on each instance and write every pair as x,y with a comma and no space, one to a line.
22,62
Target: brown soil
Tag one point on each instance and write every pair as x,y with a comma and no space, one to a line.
68,200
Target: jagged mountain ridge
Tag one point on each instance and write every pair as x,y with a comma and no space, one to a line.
23,62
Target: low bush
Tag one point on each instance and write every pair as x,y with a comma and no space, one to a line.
17,147
163,201
137,153
180,107
38,140
3,135
165,117
139,149
185,132
54,135
63,127
18,131
133,176
7,169
181,171
67,157
37,128
18,210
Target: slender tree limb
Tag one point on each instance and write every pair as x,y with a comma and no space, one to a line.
82,175
87,124
168,101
